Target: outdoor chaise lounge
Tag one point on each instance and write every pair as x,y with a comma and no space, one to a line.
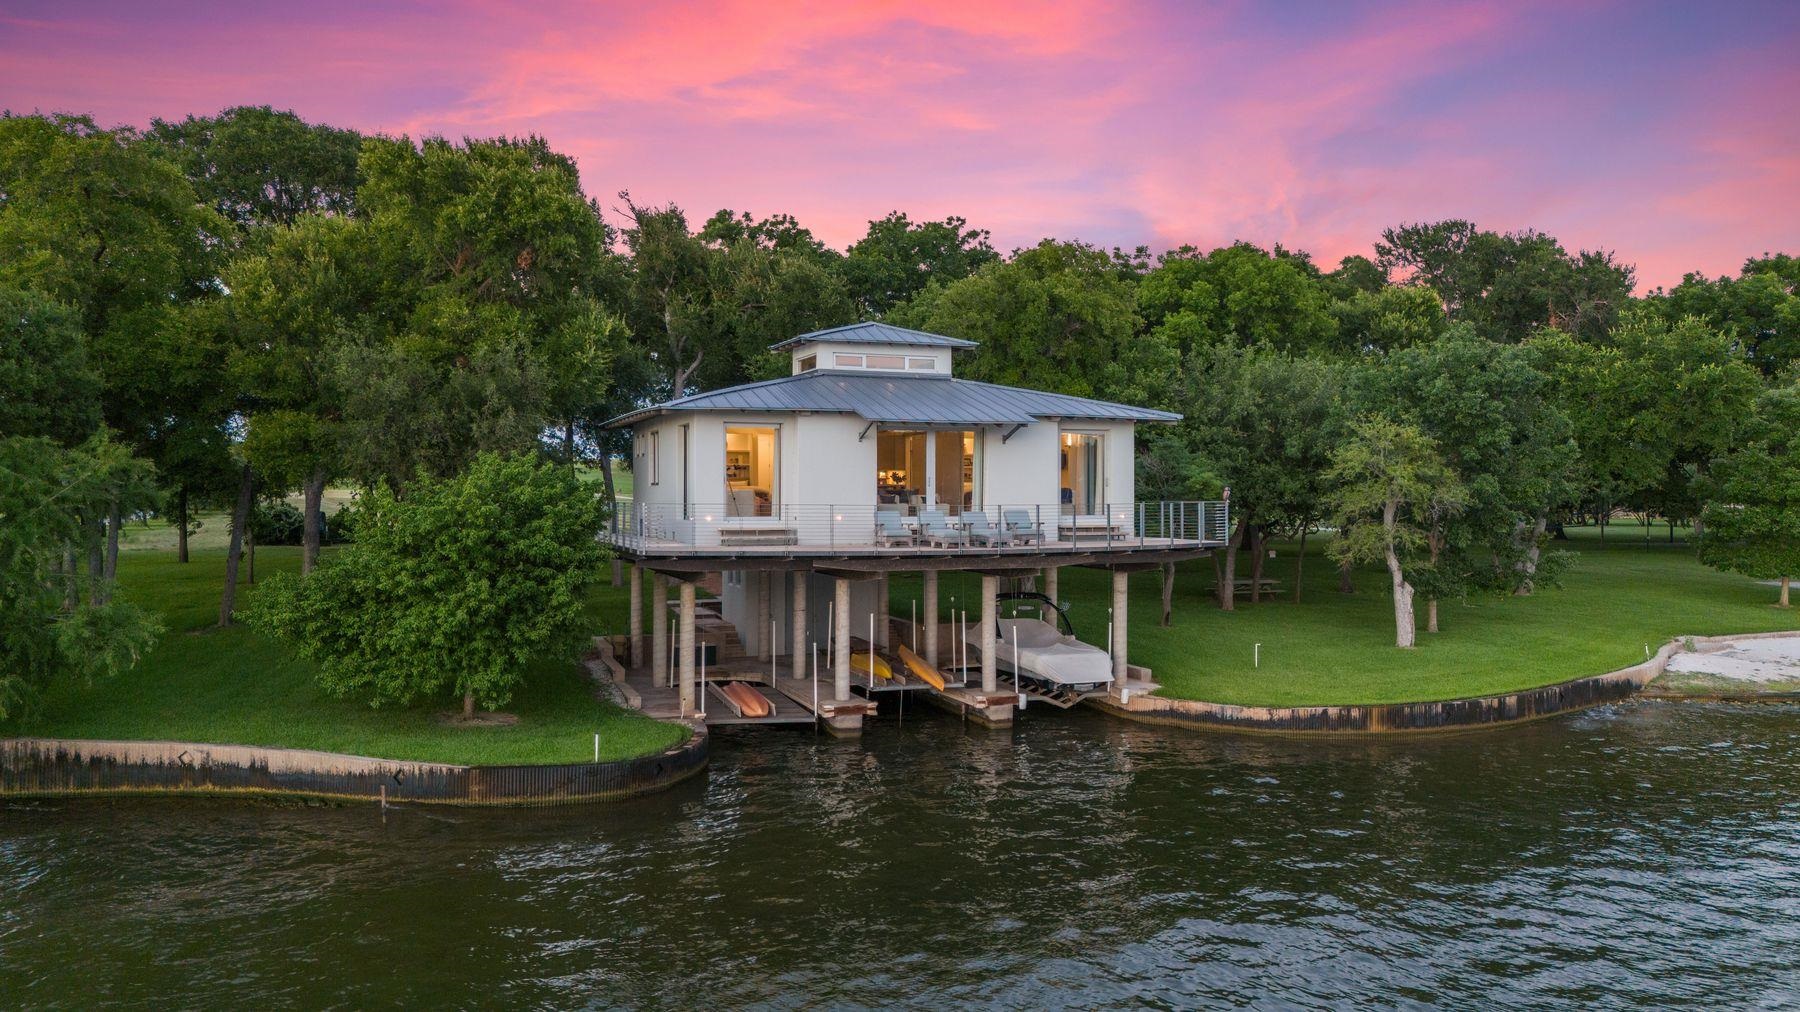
935,529
981,531
1021,527
891,529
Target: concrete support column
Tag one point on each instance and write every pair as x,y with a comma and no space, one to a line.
1119,623
840,647
659,629
765,589
800,649
635,632
1050,583
685,647
928,613
989,625
881,613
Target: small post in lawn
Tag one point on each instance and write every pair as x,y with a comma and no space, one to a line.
1256,656
596,746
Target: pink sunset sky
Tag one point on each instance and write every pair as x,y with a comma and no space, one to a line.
1667,132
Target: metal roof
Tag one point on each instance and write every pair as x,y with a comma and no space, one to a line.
872,332
900,398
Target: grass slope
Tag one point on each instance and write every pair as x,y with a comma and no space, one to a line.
1338,648
238,686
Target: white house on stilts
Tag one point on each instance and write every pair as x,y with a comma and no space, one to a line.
805,493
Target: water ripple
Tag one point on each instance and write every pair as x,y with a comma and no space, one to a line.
1640,855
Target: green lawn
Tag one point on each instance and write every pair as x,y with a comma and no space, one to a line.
623,482
237,686
1335,648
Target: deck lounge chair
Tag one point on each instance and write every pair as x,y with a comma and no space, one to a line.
981,531
935,529
891,530
1021,527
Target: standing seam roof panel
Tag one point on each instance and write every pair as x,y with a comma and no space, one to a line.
901,398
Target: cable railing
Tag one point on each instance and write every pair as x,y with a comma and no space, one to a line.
755,522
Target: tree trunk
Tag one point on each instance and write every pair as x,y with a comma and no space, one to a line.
113,523
1300,562
568,441
1431,615
313,501
1261,550
312,505
96,561
240,519
1228,582
1345,585
606,479
1405,633
469,705
1532,553
1168,581
71,588
1784,591
181,524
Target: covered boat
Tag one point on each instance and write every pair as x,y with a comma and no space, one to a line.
1047,656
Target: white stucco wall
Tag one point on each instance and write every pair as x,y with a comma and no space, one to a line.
1022,471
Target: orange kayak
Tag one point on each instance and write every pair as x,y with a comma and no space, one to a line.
751,702
920,667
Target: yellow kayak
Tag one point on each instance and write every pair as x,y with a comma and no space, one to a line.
859,661
921,668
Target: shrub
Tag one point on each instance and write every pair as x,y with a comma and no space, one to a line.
455,588
276,523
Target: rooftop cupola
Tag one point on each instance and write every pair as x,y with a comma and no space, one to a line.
873,347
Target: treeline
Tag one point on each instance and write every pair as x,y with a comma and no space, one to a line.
225,310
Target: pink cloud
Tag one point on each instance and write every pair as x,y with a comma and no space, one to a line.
1129,122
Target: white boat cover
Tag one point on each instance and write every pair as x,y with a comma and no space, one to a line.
1046,653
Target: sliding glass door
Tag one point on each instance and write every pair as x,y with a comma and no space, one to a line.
917,467
1083,474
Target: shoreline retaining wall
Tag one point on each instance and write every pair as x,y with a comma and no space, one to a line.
53,766
1445,715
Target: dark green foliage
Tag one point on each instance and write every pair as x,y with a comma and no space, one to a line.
456,588
898,258
1499,428
259,166
1751,522
1057,317
57,619
1239,294
1760,308
1508,285
47,387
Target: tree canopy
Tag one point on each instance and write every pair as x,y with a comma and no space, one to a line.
452,590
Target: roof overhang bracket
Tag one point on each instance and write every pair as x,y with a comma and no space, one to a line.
864,434
1012,432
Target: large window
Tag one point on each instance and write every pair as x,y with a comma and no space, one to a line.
916,467
750,475
1083,472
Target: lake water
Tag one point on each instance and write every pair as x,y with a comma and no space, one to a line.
1642,855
